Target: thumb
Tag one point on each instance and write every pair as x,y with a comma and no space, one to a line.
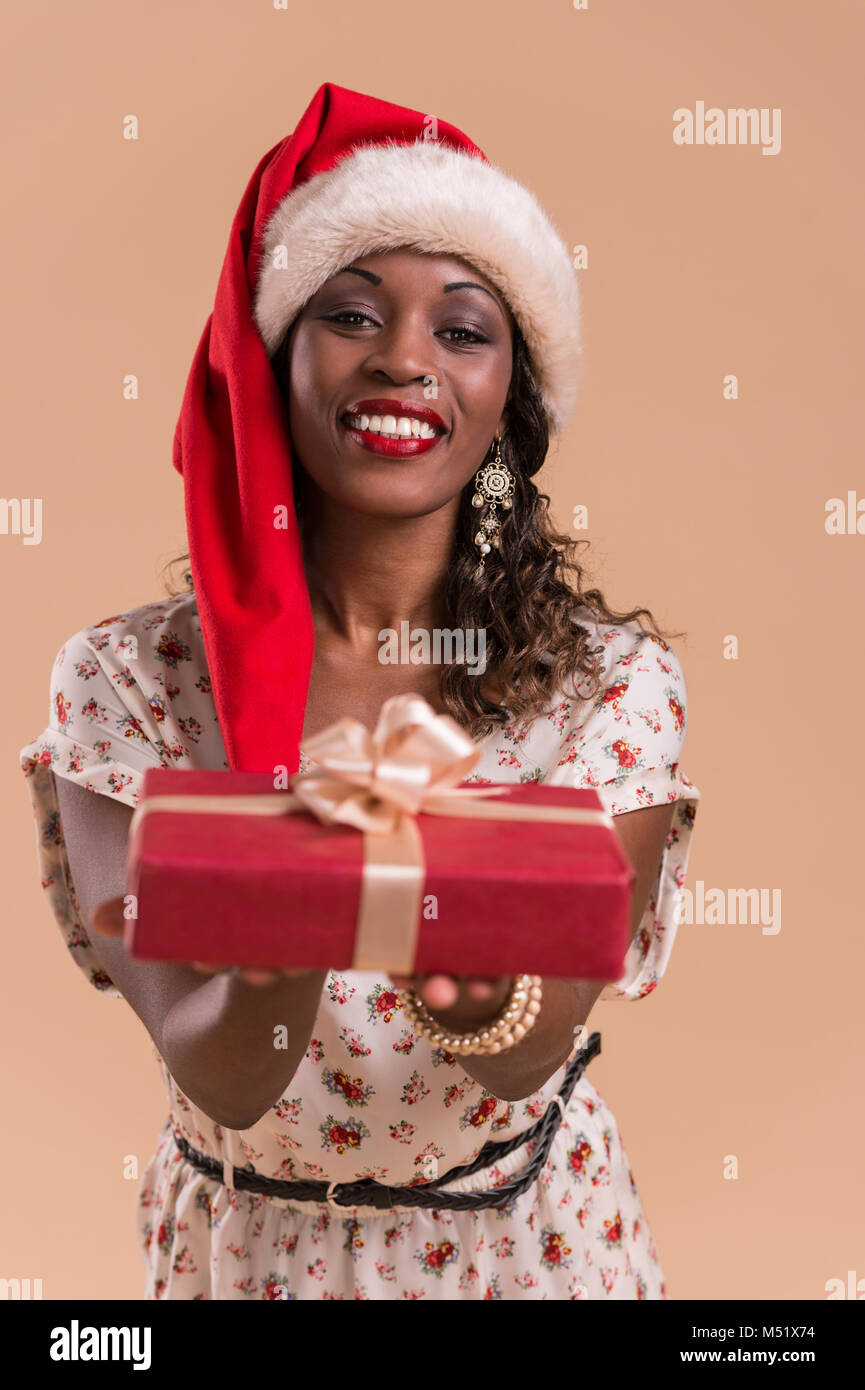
108,918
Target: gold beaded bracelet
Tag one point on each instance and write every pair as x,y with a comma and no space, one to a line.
521,1008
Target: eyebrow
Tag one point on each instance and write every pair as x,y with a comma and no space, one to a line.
454,284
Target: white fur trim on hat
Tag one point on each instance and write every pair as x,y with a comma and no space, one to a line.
443,201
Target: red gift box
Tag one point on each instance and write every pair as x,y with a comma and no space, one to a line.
499,896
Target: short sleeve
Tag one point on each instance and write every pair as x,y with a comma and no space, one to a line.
627,745
96,736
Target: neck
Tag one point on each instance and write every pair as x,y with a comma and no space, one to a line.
366,573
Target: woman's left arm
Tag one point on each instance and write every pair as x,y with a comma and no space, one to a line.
521,1070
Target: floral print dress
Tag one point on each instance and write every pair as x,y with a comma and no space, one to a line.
371,1099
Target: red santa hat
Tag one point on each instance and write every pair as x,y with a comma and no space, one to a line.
357,176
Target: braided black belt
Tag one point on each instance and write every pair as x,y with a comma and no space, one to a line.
367,1192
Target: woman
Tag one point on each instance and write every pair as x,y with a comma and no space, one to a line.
396,330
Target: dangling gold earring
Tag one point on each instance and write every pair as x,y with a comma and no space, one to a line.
494,483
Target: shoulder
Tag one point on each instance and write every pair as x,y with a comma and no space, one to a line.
634,666
126,672
167,631
625,733
133,689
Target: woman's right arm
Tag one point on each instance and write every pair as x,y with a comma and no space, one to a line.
217,1035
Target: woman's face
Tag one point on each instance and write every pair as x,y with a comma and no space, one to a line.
411,328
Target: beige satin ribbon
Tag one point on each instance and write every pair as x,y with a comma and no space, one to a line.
378,782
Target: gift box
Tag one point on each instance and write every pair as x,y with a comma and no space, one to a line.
375,865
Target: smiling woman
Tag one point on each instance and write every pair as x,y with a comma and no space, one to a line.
394,341
405,319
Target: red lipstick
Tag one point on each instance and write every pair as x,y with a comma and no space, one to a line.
382,405
404,447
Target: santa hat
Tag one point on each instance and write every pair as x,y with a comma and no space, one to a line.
357,176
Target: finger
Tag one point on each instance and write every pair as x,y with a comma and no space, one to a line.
259,977
253,974
481,988
107,918
439,991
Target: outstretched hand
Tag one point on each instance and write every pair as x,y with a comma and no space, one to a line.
465,1001
108,919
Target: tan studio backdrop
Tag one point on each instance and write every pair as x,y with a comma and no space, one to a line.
721,412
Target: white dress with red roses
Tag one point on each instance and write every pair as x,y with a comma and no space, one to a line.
371,1099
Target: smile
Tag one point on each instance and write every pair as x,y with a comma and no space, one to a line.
393,436
393,426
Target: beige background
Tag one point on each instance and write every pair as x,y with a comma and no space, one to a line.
703,261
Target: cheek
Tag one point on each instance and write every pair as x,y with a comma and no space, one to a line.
482,392
313,377
304,391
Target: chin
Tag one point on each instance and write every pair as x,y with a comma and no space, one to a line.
392,498
390,508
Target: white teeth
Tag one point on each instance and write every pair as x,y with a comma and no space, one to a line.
393,427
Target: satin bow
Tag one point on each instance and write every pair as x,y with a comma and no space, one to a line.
378,782
412,761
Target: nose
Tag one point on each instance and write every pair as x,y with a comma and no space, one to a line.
401,352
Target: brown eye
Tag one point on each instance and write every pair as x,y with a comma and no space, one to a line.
464,328
347,314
